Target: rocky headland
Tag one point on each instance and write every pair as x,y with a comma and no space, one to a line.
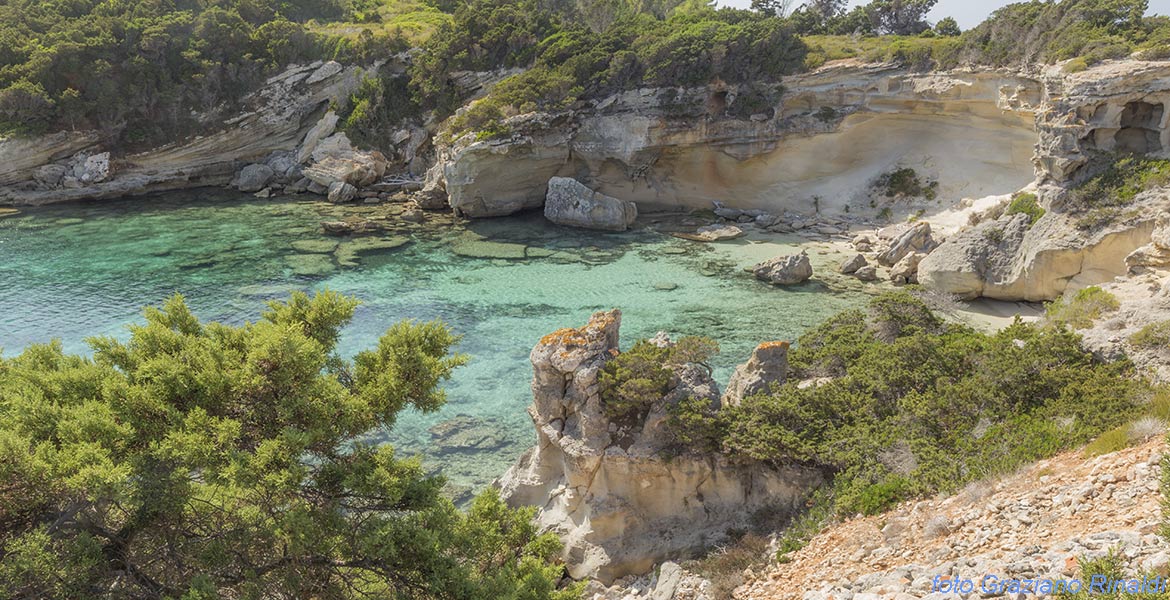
617,495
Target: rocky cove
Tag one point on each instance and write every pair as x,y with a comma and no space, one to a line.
449,226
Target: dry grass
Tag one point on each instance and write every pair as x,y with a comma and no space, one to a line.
1146,428
724,567
410,19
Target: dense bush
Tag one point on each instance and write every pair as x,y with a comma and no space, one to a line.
918,405
138,70
638,377
1121,182
905,183
568,59
1155,336
1089,30
198,460
1086,306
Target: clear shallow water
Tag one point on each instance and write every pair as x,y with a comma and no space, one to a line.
77,271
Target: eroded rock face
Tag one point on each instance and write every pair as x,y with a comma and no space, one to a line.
768,366
971,131
569,202
1006,260
619,506
1118,106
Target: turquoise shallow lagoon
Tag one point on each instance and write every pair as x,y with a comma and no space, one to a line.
75,271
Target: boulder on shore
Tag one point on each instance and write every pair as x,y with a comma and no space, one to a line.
569,202
785,270
254,178
341,192
906,271
915,239
852,264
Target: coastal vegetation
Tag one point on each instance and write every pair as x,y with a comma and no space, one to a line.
146,73
908,404
1026,203
200,460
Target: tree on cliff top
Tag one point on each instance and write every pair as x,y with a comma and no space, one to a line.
200,461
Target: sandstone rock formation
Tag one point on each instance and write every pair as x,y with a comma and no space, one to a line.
972,131
569,202
1118,106
906,271
785,270
768,366
619,506
1006,259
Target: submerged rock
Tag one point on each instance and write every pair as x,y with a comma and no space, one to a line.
569,202
785,270
309,265
347,253
472,245
351,226
718,233
314,246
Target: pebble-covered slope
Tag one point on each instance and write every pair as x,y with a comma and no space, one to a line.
1033,524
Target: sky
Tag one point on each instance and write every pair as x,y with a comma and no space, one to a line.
968,13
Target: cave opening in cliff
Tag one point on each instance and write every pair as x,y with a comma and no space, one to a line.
1140,131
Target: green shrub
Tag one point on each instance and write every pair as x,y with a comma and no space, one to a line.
1120,183
994,235
1026,203
1076,65
642,375
245,451
1087,306
1152,336
917,405
906,183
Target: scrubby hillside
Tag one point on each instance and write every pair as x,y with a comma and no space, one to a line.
1070,516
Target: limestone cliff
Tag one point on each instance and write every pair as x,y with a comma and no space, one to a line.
826,135
1117,107
617,502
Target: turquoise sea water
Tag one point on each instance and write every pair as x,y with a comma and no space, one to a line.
75,271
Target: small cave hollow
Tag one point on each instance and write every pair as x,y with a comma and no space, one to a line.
1140,131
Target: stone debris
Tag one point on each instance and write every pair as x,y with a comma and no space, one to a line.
1036,523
